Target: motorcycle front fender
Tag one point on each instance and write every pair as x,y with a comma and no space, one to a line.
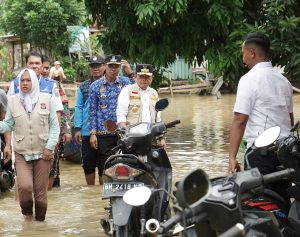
120,211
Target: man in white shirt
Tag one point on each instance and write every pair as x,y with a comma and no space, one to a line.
136,102
57,72
264,100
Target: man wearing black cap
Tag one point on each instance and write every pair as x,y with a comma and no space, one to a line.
82,132
136,103
102,111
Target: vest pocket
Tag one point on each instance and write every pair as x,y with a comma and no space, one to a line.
18,137
134,108
43,137
19,120
19,143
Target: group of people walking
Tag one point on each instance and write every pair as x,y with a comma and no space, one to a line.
107,100
100,108
37,114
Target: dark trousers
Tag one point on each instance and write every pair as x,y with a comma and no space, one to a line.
91,158
267,162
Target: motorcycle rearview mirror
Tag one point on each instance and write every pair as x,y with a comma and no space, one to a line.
161,104
193,189
137,196
296,127
268,136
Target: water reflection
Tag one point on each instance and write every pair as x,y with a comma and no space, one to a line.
201,140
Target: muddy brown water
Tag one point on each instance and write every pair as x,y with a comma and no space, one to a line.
75,209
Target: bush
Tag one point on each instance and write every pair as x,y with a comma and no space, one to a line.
70,74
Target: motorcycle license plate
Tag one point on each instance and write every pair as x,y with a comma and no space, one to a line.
118,189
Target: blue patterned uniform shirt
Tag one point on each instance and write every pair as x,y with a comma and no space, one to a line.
103,101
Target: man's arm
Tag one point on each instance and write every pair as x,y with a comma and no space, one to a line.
7,137
236,134
78,116
7,148
62,74
93,104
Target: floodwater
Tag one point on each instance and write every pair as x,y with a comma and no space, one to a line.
75,209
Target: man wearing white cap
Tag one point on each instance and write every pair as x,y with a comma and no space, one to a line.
57,72
136,103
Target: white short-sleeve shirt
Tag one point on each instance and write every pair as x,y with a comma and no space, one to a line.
123,104
266,97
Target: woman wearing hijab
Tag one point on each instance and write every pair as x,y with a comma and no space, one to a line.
32,117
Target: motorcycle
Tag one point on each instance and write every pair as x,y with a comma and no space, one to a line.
194,188
7,179
139,161
226,205
7,174
287,150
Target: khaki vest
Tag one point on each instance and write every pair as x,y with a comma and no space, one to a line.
135,108
31,130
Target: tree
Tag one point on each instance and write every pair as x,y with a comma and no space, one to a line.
42,23
158,30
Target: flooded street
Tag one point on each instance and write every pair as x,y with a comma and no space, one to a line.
74,209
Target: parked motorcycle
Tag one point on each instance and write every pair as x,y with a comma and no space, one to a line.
139,162
7,179
287,150
227,202
195,188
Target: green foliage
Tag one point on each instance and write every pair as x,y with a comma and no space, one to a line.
70,74
96,48
82,68
42,23
283,26
155,31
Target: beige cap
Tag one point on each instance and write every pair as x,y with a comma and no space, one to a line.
56,62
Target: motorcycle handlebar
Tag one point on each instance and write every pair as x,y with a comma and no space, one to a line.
192,215
113,150
287,173
169,223
172,124
238,230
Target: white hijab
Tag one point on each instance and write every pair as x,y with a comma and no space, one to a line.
29,99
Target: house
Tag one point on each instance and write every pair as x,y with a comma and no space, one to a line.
15,51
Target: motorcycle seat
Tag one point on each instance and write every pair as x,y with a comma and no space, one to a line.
283,204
